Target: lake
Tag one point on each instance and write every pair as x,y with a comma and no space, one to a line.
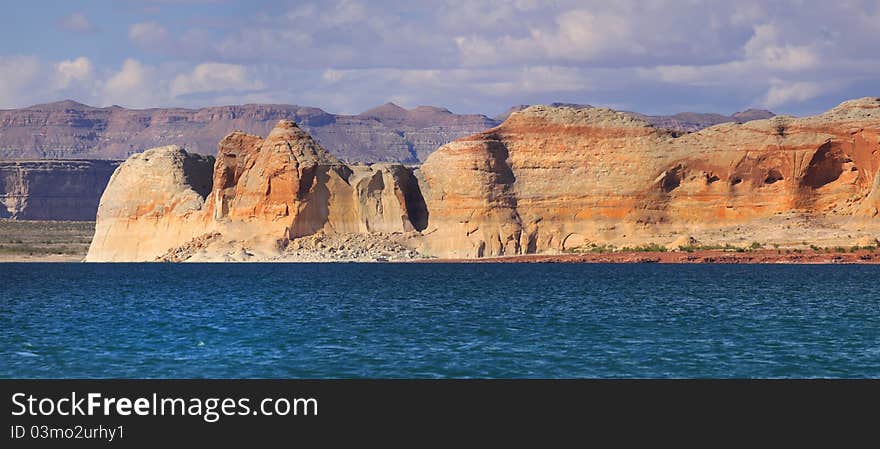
75,320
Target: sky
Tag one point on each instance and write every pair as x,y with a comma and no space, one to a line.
654,56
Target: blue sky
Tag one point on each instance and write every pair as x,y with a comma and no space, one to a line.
654,56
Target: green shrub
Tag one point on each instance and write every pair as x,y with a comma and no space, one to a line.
602,248
650,247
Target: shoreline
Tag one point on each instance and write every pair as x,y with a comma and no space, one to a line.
755,257
41,258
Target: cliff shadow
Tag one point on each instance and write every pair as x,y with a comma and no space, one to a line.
416,208
199,173
825,167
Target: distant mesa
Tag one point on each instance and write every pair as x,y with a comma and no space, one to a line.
386,111
68,129
53,189
752,114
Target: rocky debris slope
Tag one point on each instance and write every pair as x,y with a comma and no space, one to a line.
186,251
318,247
257,196
53,189
557,179
68,129
361,247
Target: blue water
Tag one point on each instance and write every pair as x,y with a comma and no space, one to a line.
438,320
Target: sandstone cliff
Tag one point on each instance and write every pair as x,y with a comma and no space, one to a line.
548,180
53,189
257,196
559,179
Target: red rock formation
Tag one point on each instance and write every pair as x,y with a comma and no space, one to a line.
548,180
263,192
558,179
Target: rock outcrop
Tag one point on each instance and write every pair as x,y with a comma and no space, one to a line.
548,180
562,179
682,122
257,196
68,129
151,203
53,189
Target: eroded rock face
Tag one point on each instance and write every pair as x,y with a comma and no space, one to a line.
53,189
557,179
548,180
153,202
257,196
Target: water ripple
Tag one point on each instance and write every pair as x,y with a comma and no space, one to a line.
443,320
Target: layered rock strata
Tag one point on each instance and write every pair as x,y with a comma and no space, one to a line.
560,179
68,129
548,180
53,189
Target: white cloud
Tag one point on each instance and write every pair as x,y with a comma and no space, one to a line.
18,75
776,67
77,23
765,47
134,85
345,12
214,77
578,35
73,71
655,56
332,75
785,93
354,90
149,35
27,80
